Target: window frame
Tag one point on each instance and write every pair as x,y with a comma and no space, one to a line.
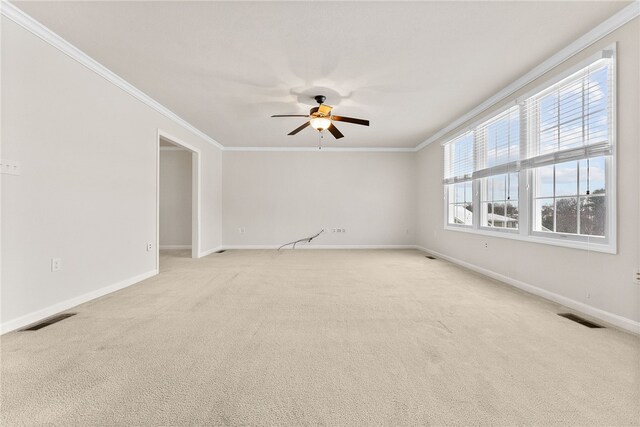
448,190
482,165
605,240
526,176
481,210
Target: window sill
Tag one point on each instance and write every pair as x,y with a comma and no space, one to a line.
608,248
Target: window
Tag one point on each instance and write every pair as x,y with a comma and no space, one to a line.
500,201
458,173
571,198
570,142
498,141
459,159
573,113
461,203
542,169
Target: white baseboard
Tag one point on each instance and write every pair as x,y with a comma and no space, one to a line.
210,251
304,246
613,319
168,247
35,316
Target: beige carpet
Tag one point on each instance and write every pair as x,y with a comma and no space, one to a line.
319,338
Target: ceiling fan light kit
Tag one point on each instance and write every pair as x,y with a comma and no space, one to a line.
320,123
320,118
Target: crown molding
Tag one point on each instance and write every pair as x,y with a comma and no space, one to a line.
607,27
25,21
616,21
325,149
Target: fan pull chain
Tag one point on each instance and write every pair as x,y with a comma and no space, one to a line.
320,140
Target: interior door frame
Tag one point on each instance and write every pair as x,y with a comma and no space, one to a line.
195,192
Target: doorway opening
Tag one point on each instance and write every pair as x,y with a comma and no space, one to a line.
178,197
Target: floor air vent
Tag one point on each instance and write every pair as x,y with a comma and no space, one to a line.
580,320
430,257
47,322
219,252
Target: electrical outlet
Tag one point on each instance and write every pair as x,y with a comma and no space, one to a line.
149,246
241,230
56,264
636,276
486,245
10,167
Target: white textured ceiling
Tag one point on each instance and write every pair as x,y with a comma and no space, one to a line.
408,67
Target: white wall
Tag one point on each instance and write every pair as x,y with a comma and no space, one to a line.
87,193
278,197
175,198
597,283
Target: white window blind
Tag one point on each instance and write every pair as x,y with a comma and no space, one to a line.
459,159
498,144
571,120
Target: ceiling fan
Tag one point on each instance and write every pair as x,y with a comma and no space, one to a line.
320,118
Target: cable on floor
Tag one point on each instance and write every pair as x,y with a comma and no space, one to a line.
306,239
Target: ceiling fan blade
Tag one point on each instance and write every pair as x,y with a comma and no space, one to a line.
325,110
293,132
334,131
290,115
350,120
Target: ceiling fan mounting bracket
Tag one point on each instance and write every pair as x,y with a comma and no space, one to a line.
320,99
